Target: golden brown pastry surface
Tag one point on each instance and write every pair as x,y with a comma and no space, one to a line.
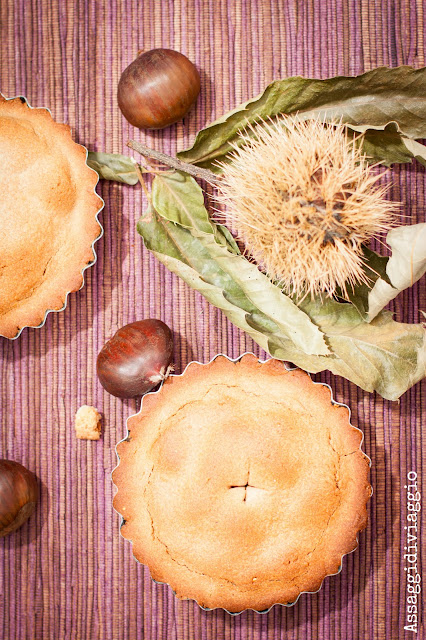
241,485
48,209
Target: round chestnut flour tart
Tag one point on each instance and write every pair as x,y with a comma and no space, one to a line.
241,485
48,215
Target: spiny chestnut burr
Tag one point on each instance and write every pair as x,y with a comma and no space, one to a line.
304,200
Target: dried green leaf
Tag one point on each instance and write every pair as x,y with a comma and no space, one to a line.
417,150
406,265
178,198
242,281
113,166
375,269
384,355
225,237
185,255
387,146
365,102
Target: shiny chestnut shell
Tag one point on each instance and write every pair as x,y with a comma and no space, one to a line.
136,359
158,89
18,495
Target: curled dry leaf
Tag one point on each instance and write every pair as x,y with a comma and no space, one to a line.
387,105
406,265
387,146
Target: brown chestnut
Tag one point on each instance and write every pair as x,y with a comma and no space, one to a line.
136,359
18,495
158,89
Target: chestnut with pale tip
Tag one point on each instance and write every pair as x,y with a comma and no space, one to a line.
18,495
136,359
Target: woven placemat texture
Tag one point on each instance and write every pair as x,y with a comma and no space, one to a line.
67,574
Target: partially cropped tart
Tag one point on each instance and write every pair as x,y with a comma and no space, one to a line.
241,484
48,215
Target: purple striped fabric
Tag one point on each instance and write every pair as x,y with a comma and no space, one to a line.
67,574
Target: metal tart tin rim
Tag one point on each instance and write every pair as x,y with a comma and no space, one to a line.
179,375
101,232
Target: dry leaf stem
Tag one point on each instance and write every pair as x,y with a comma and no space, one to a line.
174,163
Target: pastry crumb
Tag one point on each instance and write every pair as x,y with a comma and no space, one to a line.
88,423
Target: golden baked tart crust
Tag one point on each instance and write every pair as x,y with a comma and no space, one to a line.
48,215
241,485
